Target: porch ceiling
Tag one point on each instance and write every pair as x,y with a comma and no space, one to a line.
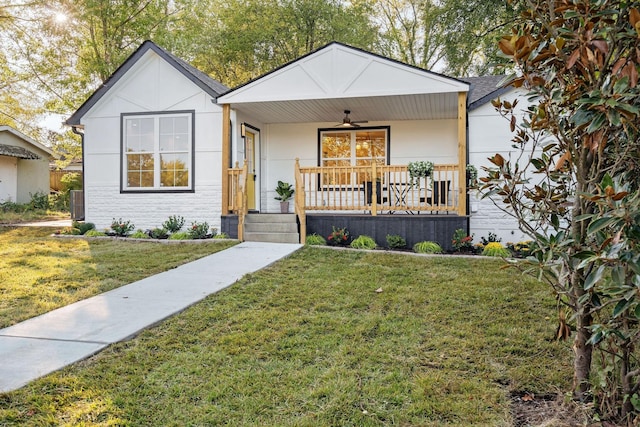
374,109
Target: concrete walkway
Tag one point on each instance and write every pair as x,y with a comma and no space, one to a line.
46,343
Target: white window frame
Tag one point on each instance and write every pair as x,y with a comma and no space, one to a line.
124,188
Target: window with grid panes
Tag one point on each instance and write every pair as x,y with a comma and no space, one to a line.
157,151
341,149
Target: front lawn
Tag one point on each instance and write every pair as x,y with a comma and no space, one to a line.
39,273
324,338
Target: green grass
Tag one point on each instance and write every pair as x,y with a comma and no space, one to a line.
309,342
39,273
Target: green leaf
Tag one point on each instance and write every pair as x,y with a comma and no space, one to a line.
617,274
633,265
630,108
637,311
593,278
599,224
596,338
621,85
607,181
597,122
581,117
621,307
595,300
585,255
579,218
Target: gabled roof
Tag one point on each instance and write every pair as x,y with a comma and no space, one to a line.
202,80
21,152
320,85
332,46
484,89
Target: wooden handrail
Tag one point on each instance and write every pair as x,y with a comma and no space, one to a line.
242,200
237,194
299,202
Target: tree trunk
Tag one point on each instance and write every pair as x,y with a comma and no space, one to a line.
581,349
625,365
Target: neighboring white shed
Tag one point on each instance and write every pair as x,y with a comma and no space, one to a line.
24,166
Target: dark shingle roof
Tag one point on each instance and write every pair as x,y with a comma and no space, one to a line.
484,89
204,78
19,152
203,81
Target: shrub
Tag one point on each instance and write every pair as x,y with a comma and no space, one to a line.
68,182
173,224
83,227
461,241
10,206
139,234
159,233
95,233
521,249
315,240
496,249
39,200
180,235
220,235
121,228
492,238
71,231
395,241
338,237
427,247
363,242
198,230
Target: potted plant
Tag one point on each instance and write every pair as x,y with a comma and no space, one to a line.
285,192
472,176
419,169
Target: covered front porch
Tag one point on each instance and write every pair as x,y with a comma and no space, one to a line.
285,126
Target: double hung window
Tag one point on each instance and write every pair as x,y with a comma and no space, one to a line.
157,152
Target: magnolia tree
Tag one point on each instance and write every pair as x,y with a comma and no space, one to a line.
573,182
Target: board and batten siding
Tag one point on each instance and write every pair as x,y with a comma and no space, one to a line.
411,140
489,134
151,85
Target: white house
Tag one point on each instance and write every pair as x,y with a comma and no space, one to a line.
24,166
162,138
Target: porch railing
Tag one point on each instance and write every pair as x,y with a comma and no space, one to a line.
377,189
370,189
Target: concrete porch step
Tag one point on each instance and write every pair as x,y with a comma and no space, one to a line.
270,218
272,228
272,237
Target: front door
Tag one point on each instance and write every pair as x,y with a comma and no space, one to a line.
250,156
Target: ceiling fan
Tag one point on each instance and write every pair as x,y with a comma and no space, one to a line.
348,123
